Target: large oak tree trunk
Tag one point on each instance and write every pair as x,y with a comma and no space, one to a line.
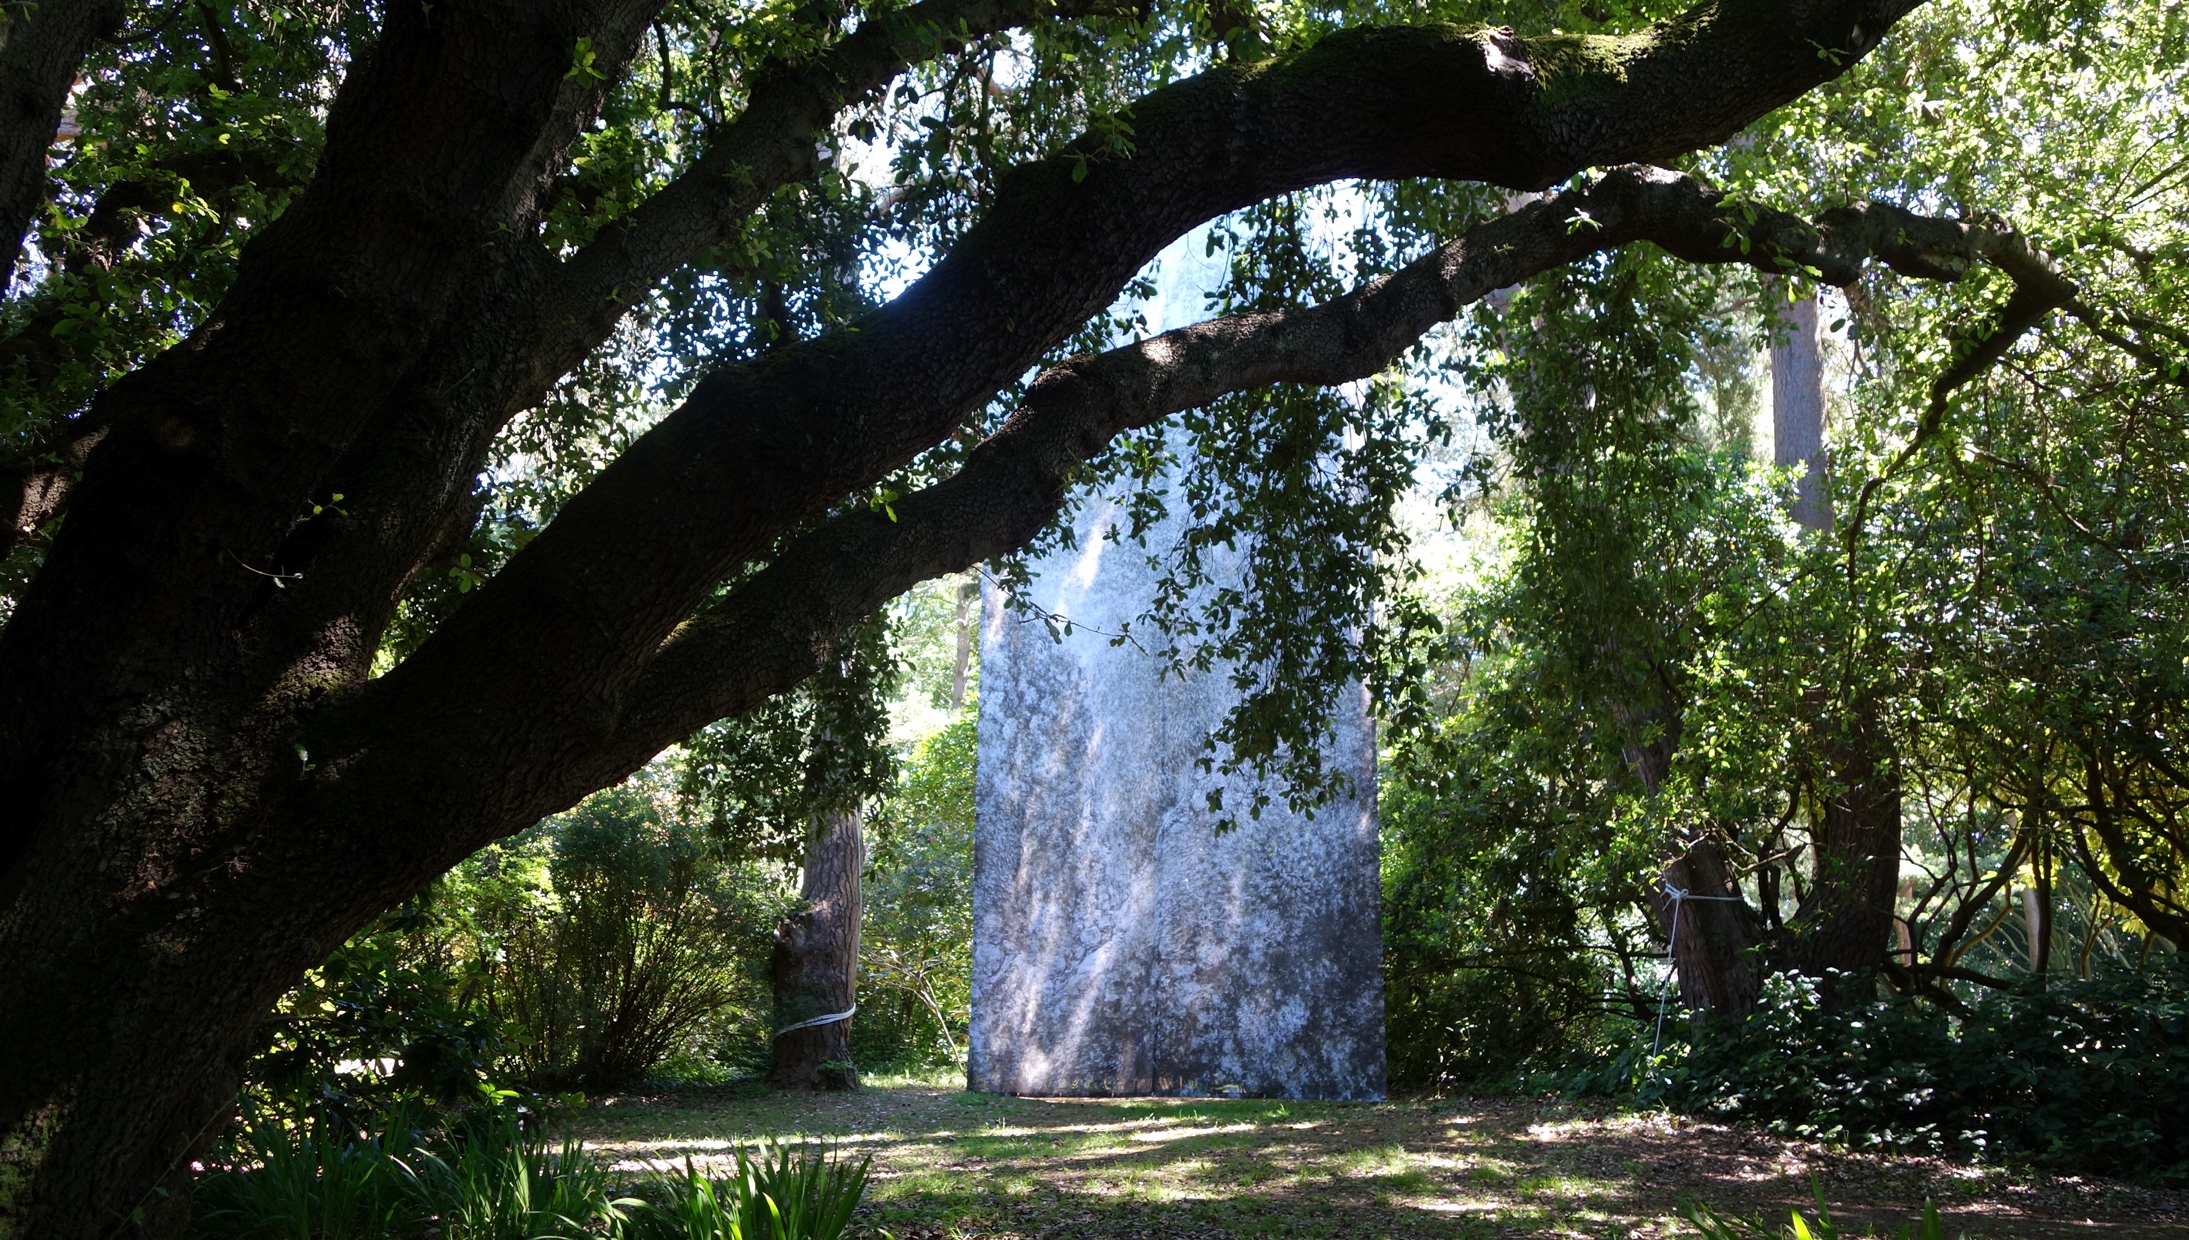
815,965
204,786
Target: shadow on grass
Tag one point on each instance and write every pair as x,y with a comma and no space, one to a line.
959,1165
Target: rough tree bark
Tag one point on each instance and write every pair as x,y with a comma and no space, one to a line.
1714,950
1711,931
815,964
41,46
202,787
1843,928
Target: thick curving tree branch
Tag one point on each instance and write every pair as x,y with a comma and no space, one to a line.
438,144
41,48
409,479
756,451
769,145
769,631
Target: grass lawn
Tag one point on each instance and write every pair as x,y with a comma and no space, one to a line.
949,1165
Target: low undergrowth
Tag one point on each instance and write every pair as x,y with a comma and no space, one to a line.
487,1176
2087,1075
952,1165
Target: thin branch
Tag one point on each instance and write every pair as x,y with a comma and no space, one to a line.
770,144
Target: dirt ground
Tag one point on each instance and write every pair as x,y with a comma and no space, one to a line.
950,1165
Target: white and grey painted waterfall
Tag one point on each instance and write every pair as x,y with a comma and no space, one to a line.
1120,946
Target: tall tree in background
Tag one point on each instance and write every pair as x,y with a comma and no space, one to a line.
792,780
815,967
315,284
1845,917
1797,407
1851,785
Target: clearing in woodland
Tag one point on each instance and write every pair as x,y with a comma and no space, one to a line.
951,1165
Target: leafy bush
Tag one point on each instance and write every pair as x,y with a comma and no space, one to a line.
397,1012
2086,1075
779,1192
916,947
639,943
587,951
482,1178
487,1177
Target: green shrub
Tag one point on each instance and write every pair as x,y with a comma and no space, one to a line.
640,943
489,1179
397,1012
779,1192
587,951
298,1183
481,1178
485,1176
2088,1075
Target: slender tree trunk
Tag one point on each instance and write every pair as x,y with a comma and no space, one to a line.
2037,923
815,967
966,594
1797,410
1845,926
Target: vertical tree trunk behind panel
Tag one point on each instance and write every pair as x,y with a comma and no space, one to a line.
815,966
967,594
1797,410
1713,938
1845,923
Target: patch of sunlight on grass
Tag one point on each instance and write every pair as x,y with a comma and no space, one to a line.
1549,1131
1379,1161
944,1076
918,1183
1491,1171
1412,1182
1159,1136
1460,1207
955,1166
1150,1186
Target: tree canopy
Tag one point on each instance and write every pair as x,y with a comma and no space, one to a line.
419,416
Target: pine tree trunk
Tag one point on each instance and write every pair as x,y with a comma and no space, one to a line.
815,967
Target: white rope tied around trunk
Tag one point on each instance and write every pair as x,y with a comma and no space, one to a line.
1679,895
830,1019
